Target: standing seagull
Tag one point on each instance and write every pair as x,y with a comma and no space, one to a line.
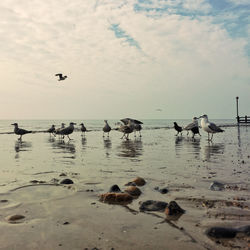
83,129
20,131
177,128
192,125
68,130
136,123
57,131
52,130
61,77
209,127
127,129
106,128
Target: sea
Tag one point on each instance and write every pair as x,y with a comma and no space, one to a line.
94,157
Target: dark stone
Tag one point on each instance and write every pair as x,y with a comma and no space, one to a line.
161,190
221,232
173,209
217,186
115,189
66,223
66,181
151,205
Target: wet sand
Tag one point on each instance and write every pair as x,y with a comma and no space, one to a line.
58,216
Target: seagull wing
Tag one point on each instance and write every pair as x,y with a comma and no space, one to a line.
59,74
125,120
214,127
190,126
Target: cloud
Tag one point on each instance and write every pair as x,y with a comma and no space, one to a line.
121,56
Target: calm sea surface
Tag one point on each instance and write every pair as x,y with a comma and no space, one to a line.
158,154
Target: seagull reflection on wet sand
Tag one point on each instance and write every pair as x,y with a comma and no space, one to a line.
130,148
64,147
192,145
22,146
213,149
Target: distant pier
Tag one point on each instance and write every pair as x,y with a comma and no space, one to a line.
241,119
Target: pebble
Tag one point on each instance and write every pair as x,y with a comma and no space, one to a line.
173,209
138,181
116,198
132,190
217,186
66,181
161,190
151,205
115,189
15,218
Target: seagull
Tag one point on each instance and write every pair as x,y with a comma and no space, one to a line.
127,129
177,128
68,130
57,131
195,130
20,131
52,130
106,128
83,129
192,125
209,127
138,128
61,77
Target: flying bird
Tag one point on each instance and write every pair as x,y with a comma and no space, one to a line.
106,128
209,127
20,131
61,77
178,128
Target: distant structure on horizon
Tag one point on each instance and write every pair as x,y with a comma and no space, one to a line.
241,119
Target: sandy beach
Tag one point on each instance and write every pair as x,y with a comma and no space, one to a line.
38,212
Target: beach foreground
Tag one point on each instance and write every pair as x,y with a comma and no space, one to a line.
38,212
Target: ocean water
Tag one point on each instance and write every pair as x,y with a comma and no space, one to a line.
96,158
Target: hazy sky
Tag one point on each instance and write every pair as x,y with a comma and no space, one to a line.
136,58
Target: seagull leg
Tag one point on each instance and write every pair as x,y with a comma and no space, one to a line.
69,137
140,133
211,137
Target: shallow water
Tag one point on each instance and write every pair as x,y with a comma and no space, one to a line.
184,165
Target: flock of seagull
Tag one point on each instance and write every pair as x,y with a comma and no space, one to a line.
129,125
207,126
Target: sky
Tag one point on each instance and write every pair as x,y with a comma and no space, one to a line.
145,59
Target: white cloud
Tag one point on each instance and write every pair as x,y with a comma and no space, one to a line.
180,58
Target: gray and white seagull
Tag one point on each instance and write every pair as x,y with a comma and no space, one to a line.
209,127
20,131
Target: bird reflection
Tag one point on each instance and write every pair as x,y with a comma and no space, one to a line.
191,145
84,142
107,143
22,146
130,148
212,149
65,147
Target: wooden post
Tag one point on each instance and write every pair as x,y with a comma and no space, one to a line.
237,109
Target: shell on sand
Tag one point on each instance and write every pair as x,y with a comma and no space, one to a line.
116,198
